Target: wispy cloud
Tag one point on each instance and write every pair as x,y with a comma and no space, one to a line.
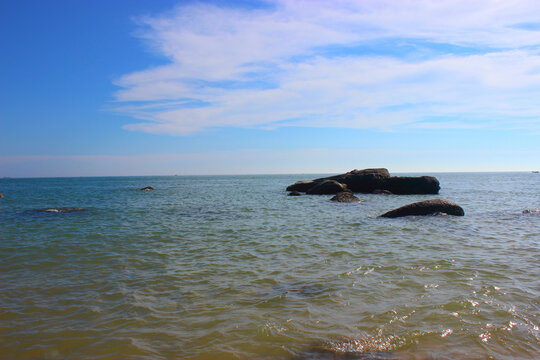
355,64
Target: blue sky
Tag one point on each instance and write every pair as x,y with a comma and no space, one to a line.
141,87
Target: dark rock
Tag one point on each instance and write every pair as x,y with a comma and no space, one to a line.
377,181
530,211
61,210
147,188
345,196
381,191
326,187
427,207
404,185
295,193
301,186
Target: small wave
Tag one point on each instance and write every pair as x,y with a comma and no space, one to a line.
60,210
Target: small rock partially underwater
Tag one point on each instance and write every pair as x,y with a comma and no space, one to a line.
1,196
147,188
427,207
295,193
530,211
346,197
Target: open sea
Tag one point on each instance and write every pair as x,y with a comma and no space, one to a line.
230,267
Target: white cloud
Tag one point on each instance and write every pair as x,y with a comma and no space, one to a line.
272,67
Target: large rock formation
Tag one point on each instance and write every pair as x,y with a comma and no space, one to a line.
427,207
374,181
345,196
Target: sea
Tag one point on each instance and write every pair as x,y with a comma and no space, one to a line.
230,267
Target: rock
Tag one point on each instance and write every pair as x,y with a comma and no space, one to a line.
61,210
294,193
381,191
326,187
147,188
404,185
530,211
1,196
427,207
376,181
301,186
364,181
345,196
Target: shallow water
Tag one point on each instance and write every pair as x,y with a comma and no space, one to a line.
229,267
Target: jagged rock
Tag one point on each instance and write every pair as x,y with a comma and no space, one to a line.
295,193
427,207
147,188
301,186
326,187
345,196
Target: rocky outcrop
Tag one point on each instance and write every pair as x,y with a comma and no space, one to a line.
427,207
346,197
147,188
326,187
301,186
377,181
295,193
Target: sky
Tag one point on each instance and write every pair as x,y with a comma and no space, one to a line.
143,87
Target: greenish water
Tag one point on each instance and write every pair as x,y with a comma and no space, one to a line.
229,267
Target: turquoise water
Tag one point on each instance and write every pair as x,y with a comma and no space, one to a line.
229,267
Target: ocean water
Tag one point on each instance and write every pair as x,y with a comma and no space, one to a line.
230,267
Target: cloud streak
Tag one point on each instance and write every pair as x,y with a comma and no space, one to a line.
352,64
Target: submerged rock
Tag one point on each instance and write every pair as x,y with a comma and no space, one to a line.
377,181
295,193
302,186
427,207
345,196
61,210
350,348
147,188
327,187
